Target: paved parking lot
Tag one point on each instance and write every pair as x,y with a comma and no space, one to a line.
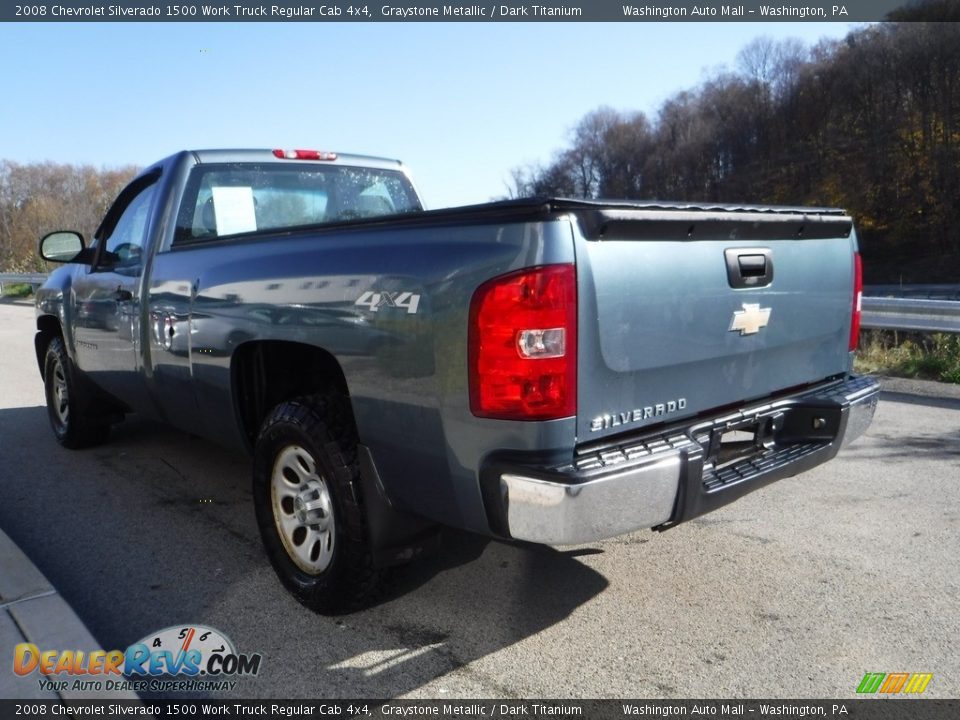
794,591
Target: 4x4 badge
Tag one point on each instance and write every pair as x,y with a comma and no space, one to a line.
749,320
375,300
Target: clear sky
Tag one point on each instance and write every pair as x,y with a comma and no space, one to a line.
460,103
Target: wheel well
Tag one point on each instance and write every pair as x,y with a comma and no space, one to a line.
48,327
264,374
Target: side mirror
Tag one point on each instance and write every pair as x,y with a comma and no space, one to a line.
62,246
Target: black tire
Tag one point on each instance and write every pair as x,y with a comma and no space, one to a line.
70,409
330,569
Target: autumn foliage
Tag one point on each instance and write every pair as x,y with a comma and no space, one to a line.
870,123
38,198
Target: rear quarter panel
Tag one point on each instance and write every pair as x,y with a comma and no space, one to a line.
406,372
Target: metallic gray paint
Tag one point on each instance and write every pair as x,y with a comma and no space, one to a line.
653,325
663,313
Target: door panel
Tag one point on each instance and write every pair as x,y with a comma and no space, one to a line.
106,300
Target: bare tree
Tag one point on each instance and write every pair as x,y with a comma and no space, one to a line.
41,197
870,123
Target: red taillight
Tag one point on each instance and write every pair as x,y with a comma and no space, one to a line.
857,301
304,155
523,345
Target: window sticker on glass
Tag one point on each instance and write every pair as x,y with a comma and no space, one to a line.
234,210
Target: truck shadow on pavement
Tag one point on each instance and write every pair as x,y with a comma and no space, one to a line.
156,528
945,403
900,448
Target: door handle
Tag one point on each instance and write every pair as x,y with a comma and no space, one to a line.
122,295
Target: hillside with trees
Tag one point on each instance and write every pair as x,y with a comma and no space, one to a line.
38,198
870,123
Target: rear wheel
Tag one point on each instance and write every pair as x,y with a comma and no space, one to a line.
306,487
69,408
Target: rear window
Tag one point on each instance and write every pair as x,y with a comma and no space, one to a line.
231,199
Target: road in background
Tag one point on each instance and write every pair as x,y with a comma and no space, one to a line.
794,591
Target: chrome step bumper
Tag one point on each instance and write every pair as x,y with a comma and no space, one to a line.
663,480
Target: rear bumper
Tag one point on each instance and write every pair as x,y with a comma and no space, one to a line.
660,481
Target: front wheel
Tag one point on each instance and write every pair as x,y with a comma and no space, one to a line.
68,408
306,488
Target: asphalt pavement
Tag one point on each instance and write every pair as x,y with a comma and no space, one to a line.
794,591
31,609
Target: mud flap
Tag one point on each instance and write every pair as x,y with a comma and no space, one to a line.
396,537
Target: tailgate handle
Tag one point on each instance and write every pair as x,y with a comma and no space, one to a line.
752,265
749,267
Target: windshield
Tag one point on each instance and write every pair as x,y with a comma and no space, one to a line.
229,199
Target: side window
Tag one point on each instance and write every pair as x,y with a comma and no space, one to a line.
126,241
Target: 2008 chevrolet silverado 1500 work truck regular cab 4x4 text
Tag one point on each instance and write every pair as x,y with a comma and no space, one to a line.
546,370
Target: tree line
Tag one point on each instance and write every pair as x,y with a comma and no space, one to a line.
870,123
38,198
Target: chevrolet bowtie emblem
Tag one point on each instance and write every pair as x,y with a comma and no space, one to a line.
749,320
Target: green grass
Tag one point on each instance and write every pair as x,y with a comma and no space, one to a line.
933,356
17,290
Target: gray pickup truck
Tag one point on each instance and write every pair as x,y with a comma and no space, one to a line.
545,370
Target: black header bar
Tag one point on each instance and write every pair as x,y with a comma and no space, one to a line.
737,709
412,11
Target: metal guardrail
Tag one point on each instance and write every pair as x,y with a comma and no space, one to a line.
911,314
24,278
34,279
882,313
929,291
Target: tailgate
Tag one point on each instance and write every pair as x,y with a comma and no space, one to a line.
683,312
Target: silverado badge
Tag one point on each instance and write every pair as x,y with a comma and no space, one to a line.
749,320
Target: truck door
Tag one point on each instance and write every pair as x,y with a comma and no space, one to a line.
106,297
